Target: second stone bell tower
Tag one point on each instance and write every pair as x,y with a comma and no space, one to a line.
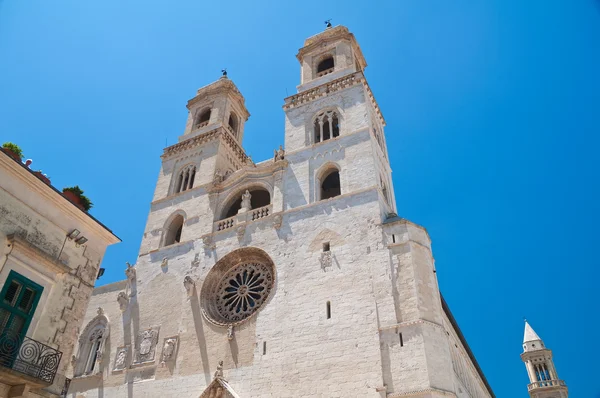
540,368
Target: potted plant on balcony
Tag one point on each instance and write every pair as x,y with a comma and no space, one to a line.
12,150
42,176
75,195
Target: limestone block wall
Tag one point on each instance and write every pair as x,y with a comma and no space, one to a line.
467,380
290,348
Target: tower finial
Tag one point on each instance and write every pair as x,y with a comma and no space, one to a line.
224,72
328,23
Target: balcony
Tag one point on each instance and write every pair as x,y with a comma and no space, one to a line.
21,355
249,216
546,383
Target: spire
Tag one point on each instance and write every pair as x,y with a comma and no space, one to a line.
530,334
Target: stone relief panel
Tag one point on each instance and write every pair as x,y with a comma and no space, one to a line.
120,362
169,350
146,345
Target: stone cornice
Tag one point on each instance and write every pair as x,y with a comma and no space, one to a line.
329,35
421,393
331,87
260,171
21,245
54,196
218,133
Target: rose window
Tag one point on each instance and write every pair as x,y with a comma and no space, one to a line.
237,286
243,290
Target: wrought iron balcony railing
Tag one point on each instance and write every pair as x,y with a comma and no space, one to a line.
27,356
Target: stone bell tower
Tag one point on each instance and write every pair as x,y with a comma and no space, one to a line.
210,148
540,368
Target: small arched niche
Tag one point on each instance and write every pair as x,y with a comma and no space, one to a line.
330,184
259,197
174,230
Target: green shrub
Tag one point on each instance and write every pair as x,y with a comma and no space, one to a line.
14,148
85,201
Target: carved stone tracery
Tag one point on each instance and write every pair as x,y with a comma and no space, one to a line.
237,286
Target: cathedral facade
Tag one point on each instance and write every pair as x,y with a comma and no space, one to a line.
292,277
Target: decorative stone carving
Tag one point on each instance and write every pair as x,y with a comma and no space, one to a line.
169,349
165,262
189,285
277,221
241,230
230,332
121,358
146,345
123,301
208,242
279,154
219,177
326,259
100,311
246,206
196,260
130,272
219,371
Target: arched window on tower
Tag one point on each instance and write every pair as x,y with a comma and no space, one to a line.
174,230
91,346
325,67
203,118
233,124
326,126
330,184
185,179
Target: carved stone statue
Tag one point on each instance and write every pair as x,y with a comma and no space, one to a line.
130,271
189,284
230,332
168,349
100,311
123,301
219,371
73,362
246,206
279,154
165,262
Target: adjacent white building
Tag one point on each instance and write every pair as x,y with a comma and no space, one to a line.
49,259
292,277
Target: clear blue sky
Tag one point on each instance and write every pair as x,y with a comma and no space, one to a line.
493,114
